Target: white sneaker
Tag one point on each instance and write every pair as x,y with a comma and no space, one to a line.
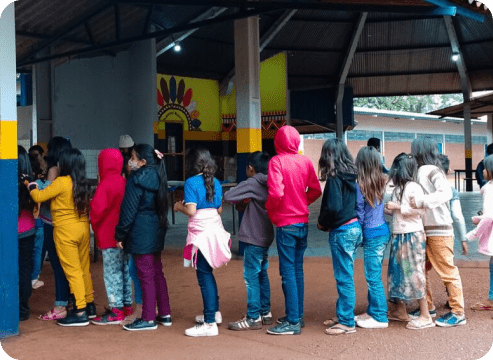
361,317
371,323
36,284
203,329
219,318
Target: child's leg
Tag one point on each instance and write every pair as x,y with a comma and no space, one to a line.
343,243
85,261
208,288
25,267
301,245
424,313
490,294
161,286
62,289
441,256
135,279
429,293
113,276
373,256
252,261
127,280
38,248
68,253
264,283
145,270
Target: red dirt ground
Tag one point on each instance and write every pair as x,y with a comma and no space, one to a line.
45,340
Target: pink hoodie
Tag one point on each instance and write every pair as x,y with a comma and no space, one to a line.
292,181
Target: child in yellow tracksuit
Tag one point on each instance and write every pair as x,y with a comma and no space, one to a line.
69,206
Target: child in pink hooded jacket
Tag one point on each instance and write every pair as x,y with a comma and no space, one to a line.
293,185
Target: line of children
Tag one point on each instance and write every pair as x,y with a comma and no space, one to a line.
69,193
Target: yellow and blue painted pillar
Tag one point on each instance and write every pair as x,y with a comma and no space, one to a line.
9,269
247,84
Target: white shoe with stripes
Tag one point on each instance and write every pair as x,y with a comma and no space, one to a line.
246,324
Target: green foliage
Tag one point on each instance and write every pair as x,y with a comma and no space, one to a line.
414,103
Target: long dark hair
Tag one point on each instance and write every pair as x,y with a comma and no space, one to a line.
335,159
56,146
24,172
405,170
371,179
425,150
147,153
200,161
73,164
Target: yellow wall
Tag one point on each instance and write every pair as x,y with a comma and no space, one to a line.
272,87
205,94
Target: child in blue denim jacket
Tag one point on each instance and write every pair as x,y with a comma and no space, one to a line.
376,234
338,216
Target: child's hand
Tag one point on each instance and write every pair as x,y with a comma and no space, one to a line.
412,202
465,248
476,220
178,206
392,206
320,227
119,245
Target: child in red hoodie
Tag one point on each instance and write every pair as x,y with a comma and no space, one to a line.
105,210
293,185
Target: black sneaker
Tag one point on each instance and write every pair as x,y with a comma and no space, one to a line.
91,310
73,319
267,319
164,320
286,328
284,319
140,324
246,324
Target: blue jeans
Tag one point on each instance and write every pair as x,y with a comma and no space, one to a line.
377,303
62,289
208,288
291,245
343,243
38,248
490,294
135,279
117,279
255,265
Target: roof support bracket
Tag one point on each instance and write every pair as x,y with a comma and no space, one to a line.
346,64
459,9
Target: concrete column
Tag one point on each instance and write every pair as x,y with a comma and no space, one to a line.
42,100
489,127
9,268
143,74
247,83
468,145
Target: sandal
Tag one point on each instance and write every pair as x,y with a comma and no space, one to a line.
53,315
481,307
417,324
330,322
339,329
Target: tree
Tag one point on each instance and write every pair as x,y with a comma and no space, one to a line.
410,103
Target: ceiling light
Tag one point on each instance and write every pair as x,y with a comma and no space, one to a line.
177,47
455,56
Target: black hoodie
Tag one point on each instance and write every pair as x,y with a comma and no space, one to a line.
138,226
338,201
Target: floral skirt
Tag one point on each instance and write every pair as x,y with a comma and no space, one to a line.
406,271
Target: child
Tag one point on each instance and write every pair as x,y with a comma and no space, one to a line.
56,146
210,243
438,229
26,233
70,208
406,270
483,231
105,209
38,164
293,185
257,233
369,205
141,231
338,216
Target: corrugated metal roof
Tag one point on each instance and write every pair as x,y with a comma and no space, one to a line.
396,54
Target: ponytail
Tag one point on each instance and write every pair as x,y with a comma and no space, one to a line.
200,161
